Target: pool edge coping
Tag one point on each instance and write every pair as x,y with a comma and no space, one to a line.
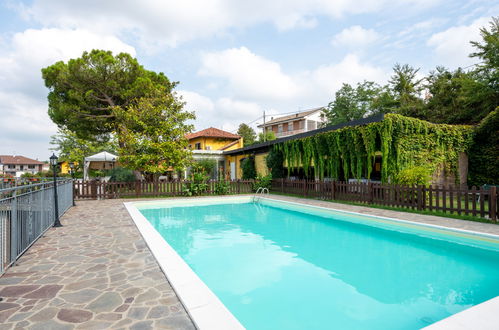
202,305
422,224
204,320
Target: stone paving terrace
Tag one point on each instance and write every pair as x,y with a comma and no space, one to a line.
96,272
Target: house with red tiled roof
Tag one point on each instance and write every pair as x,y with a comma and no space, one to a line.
18,165
211,143
214,139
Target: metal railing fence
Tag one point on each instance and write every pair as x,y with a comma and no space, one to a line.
15,182
26,212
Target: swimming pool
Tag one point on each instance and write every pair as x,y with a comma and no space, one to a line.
278,265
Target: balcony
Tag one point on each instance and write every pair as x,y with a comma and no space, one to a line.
288,133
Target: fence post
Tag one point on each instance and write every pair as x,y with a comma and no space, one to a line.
370,191
493,203
282,185
238,187
420,197
137,188
93,189
333,190
13,227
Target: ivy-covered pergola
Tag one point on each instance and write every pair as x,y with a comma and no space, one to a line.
403,143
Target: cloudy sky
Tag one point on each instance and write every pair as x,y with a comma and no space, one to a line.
233,59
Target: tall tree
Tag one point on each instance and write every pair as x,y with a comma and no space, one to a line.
152,135
367,98
84,92
488,49
101,94
407,88
267,136
248,134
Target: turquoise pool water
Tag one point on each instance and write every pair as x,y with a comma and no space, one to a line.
278,268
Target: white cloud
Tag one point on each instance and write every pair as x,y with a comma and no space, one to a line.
224,113
159,22
249,75
23,97
423,26
327,79
452,46
355,37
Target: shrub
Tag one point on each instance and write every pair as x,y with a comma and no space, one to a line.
206,165
249,169
197,184
29,175
275,161
416,175
222,187
262,181
120,174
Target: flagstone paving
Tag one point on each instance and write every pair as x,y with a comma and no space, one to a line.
95,272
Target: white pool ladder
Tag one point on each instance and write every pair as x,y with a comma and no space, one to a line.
260,192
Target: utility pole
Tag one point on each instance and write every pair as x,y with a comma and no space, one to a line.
264,130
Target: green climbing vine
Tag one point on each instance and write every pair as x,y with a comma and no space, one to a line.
402,141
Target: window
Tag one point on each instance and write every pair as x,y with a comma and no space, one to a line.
302,124
311,125
290,126
208,148
31,167
279,128
12,166
197,146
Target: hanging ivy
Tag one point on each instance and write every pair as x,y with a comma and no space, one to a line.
402,141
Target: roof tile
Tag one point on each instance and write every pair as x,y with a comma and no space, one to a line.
212,132
21,160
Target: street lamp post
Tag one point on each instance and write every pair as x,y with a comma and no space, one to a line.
53,162
72,171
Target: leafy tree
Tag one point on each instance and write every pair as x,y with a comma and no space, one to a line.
248,134
407,87
152,134
446,101
350,103
488,50
73,149
267,136
100,94
86,93
206,166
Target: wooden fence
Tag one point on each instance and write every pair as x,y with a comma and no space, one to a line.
478,202
109,190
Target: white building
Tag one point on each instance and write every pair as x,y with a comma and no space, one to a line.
296,123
